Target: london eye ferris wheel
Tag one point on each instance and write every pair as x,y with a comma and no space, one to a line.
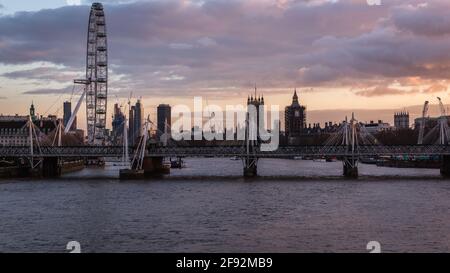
96,81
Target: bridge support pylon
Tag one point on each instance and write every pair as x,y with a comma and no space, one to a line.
51,167
250,167
445,166
154,166
350,167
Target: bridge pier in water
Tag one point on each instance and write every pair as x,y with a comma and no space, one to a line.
445,166
154,166
350,167
51,167
250,167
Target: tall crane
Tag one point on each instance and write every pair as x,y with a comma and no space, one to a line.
422,122
442,108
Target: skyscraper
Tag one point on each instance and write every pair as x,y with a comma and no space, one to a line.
131,136
67,109
164,114
67,113
135,122
295,118
138,116
117,125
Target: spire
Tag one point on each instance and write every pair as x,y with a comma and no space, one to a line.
32,111
295,97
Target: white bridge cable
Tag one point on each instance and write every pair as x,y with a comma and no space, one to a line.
350,134
58,100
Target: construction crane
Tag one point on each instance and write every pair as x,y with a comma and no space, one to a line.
422,122
441,107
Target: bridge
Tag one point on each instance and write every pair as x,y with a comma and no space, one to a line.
51,156
350,143
227,151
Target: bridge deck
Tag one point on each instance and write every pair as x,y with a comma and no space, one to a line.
228,151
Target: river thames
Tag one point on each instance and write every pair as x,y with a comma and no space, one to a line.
295,206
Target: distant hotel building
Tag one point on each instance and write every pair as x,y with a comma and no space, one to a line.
376,127
295,119
14,132
164,116
401,120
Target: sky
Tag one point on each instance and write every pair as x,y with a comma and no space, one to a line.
339,55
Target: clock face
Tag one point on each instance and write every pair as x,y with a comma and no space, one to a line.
297,113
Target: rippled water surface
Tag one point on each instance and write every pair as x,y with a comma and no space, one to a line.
296,206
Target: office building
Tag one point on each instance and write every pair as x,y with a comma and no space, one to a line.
67,113
135,122
164,116
117,125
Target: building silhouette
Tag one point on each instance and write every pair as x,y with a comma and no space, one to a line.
67,113
135,122
401,120
138,116
164,116
117,125
15,132
258,103
32,112
376,127
131,136
295,118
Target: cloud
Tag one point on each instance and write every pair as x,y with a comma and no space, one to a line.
46,91
423,19
73,2
382,91
436,88
57,74
379,91
180,48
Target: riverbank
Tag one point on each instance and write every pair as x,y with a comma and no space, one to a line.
15,171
